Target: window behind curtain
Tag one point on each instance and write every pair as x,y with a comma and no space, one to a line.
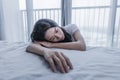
92,17
119,2
22,4
88,3
23,17
41,9
47,9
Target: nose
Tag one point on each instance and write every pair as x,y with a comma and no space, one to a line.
58,36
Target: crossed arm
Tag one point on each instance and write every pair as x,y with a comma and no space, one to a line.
59,58
78,44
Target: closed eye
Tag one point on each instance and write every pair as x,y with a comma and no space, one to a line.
51,39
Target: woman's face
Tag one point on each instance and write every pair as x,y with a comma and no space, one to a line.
54,34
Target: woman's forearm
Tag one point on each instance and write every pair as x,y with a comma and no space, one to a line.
71,45
37,49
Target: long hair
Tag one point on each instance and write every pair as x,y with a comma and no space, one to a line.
40,28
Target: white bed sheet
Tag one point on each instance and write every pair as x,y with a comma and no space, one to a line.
96,63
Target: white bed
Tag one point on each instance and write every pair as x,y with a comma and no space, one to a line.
96,63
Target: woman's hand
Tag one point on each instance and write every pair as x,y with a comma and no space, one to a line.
55,59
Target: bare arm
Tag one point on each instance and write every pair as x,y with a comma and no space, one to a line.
70,45
37,49
52,57
79,43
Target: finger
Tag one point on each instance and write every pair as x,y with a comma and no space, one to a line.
68,61
57,60
52,65
63,62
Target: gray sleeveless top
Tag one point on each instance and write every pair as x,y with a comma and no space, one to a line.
71,29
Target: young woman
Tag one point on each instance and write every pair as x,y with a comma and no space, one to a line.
48,34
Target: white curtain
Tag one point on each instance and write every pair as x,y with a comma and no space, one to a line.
14,27
111,25
10,21
66,6
29,9
1,22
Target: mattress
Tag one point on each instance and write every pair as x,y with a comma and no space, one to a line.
97,63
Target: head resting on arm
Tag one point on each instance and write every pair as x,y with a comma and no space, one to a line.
49,30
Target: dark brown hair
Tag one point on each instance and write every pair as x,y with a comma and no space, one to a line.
41,26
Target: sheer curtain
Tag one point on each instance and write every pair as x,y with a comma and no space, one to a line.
99,21
1,21
66,12
37,10
11,29
116,40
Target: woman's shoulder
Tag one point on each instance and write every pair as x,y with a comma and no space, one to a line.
71,25
71,28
